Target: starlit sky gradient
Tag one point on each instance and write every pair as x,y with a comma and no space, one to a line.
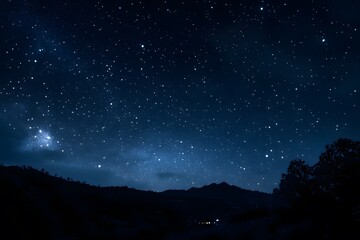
176,94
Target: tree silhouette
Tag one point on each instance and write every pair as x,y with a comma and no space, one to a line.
294,184
337,174
328,193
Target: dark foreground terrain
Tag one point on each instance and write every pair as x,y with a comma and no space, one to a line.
318,202
37,205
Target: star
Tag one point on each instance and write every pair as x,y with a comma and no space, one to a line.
199,102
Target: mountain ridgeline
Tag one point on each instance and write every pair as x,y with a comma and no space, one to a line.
314,202
43,206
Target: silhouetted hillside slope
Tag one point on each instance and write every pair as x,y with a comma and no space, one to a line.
217,201
232,195
35,204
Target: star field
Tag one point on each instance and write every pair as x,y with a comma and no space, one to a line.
174,94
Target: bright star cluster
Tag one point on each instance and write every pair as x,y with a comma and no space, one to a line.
40,140
174,94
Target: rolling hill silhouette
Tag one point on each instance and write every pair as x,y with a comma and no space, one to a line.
35,204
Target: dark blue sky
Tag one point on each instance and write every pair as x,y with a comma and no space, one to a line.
175,94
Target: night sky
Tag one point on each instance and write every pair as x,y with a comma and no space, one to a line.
162,95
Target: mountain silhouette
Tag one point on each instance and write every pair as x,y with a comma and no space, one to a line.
36,204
